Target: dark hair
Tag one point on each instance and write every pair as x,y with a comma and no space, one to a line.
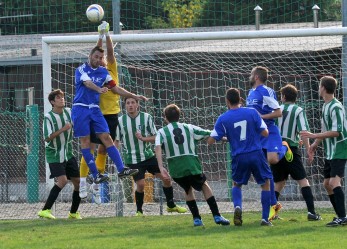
289,92
53,94
233,96
172,113
97,48
329,83
126,98
262,73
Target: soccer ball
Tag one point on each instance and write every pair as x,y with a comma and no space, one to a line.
95,13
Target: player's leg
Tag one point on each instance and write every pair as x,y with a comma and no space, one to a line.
265,203
185,183
84,171
58,172
337,173
306,192
210,199
113,152
153,168
139,179
262,175
73,174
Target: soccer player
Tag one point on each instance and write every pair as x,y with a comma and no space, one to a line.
179,142
334,137
57,132
137,131
293,121
109,106
244,128
264,100
91,80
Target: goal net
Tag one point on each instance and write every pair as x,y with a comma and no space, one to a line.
193,70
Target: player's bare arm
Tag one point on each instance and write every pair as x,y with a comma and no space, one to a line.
94,87
66,127
150,139
126,94
275,114
163,171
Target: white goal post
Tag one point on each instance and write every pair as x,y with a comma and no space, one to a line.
194,69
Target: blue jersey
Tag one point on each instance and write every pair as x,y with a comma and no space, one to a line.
242,127
264,100
99,76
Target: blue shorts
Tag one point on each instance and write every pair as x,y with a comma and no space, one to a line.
273,142
243,165
86,119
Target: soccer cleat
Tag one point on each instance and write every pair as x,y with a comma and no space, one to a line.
177,209
96,195
75,216
289,154
313,217
100,178
46,214
127,172
198,222
238,216
89,179
220,220
83,192
274,210
334,223
139,214
276,217
343,221
266,223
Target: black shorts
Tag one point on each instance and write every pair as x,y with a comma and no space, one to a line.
295,169
334,167
68,168
194,181
112,123
150,165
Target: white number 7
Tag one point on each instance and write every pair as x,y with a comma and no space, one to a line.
243,125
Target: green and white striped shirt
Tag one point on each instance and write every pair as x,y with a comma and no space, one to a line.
135,151
293,121
59,149
180,139
334,119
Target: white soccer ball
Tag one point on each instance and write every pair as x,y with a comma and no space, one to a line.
95,13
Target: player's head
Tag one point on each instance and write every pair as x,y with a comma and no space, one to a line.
172,113
96,57
258,74
233,97
327,84
289,93
56,98
131,105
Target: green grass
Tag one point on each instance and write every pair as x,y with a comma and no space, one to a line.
172,232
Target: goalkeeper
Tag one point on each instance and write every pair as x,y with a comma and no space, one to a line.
109,106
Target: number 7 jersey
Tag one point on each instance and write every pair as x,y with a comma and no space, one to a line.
179,139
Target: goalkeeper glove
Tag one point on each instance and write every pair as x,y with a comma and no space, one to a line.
103,29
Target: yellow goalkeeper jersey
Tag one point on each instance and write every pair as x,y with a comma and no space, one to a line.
109,102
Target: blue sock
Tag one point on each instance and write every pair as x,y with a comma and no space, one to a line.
273,199
282,152
265,203
237,196
90,161
116,158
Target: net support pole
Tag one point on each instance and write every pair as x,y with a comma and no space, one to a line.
47,88
32,136
344,70
116,30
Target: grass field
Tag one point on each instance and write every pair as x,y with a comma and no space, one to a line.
173,232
